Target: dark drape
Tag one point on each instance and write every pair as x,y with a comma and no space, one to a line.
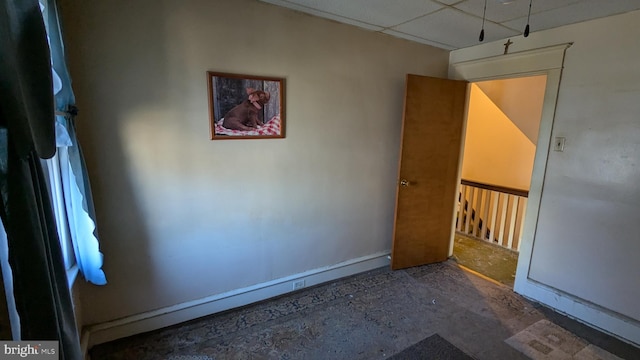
27,117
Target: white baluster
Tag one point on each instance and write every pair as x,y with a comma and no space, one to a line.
494,215
512,222
503,217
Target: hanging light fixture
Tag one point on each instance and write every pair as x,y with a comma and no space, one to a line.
484,13
526,29
504,2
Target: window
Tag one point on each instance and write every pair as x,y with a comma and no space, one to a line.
53,174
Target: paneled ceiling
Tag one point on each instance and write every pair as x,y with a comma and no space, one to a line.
455,24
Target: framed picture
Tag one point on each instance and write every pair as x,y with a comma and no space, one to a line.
245,106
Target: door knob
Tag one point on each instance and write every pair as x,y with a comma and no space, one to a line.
405,182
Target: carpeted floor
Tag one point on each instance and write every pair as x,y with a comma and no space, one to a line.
373,315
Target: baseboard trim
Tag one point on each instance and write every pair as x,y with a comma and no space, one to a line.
612,323
171,315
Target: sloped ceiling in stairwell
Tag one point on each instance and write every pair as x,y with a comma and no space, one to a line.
520,99
495,150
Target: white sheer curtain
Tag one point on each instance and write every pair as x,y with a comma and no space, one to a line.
78,218
7,279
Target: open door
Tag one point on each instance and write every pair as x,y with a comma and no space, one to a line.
428,171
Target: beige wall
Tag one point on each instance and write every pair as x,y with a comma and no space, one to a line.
182,217
496,151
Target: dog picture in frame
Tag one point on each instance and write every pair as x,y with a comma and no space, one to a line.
245,106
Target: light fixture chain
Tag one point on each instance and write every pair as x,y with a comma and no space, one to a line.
526,29
484,13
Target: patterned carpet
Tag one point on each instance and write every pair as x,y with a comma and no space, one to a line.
368,316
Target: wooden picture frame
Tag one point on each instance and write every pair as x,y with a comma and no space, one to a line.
245,106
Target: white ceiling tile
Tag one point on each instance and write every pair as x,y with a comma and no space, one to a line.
454,28
325,15
449,2
574,13
498,12
453,24
418,39
520,23
383,13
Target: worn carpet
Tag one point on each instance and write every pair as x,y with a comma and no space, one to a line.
373,315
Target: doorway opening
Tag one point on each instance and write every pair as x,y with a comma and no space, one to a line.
499,148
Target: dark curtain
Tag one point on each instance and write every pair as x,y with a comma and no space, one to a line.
27,120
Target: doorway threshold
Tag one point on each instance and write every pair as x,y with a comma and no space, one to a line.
488,260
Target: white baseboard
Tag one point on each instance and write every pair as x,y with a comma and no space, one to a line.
612,323
157,319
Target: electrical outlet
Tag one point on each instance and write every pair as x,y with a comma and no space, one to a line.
298,284
559,144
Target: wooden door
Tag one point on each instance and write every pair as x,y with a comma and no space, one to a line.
434,114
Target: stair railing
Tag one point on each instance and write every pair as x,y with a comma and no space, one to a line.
491,213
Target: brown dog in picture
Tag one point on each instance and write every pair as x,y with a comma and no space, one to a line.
244,116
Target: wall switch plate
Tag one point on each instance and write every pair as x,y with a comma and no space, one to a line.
298,284
559,144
